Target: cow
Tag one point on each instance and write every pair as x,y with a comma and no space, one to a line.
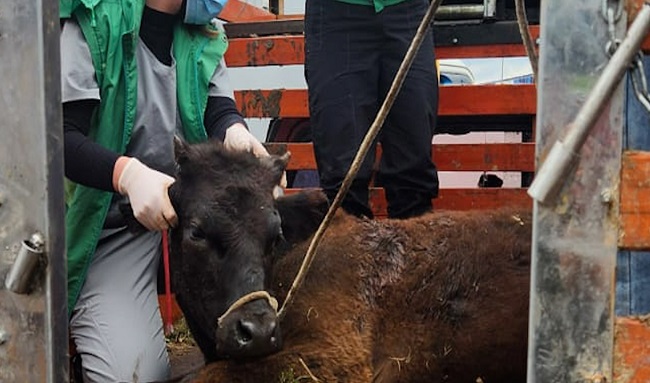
438,298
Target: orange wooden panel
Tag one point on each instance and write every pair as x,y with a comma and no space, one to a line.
459,199
466,100
635,201
265,50
239,10
463,199
448,157
632,350
290,50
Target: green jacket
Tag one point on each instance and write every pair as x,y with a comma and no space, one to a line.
111,30
378,4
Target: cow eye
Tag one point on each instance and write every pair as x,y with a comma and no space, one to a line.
196,233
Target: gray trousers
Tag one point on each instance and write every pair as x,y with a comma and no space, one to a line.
116,323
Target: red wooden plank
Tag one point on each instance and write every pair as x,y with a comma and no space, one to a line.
238,10
459,199
448,157
290,50
466,100
632,350
634,232
265,50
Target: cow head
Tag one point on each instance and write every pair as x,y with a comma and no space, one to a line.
229,228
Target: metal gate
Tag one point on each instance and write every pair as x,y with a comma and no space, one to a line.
33,313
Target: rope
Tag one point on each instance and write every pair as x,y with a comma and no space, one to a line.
169,318
255,295
522,23
361,154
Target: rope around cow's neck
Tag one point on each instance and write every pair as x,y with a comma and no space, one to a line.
255,295
361,154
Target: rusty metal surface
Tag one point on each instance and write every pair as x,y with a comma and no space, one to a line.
33,326
575,237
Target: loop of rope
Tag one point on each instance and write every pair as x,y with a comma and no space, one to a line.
255,295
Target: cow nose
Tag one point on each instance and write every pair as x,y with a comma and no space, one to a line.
258,333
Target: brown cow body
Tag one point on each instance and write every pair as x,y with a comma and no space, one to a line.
439,298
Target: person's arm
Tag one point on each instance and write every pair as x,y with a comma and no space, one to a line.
86,162
220,114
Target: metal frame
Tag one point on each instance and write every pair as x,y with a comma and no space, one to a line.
33,313
571,331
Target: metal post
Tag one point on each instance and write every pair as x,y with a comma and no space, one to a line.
33,313
575,239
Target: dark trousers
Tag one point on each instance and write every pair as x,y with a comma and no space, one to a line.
352,56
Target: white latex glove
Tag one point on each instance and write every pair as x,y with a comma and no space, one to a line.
147,192
239,138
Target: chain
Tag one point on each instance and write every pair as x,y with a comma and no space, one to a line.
639,82
611,12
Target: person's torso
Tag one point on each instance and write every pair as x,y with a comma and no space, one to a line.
156,119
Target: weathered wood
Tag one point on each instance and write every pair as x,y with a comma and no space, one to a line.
240,11
632,350
289,49
468,100
635,201
448,157
458,199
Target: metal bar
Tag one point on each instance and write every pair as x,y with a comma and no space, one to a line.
565,152
33,324
571,325
460,12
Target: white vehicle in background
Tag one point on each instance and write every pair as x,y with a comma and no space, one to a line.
454,72
493,71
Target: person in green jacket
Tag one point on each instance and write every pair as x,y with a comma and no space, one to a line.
135,73
353,49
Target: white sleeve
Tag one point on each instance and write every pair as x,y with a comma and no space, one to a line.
78,81
220,84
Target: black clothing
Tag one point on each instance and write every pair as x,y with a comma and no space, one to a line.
352,55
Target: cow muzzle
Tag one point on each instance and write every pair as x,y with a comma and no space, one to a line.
249,328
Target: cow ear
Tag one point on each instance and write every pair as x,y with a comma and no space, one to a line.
174,192
180,149
301,213
276,166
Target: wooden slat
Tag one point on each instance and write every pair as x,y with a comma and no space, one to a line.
448,157
465,100
290,50
632,350
459,199
240,11
635,201
266,50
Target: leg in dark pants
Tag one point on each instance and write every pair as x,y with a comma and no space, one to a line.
352,56
341,67
407,172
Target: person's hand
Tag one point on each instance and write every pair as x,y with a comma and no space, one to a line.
239,138
147,192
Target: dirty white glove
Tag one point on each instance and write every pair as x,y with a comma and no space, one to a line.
239,138
147,192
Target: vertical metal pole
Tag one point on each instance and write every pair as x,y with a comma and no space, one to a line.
33,314
575,238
